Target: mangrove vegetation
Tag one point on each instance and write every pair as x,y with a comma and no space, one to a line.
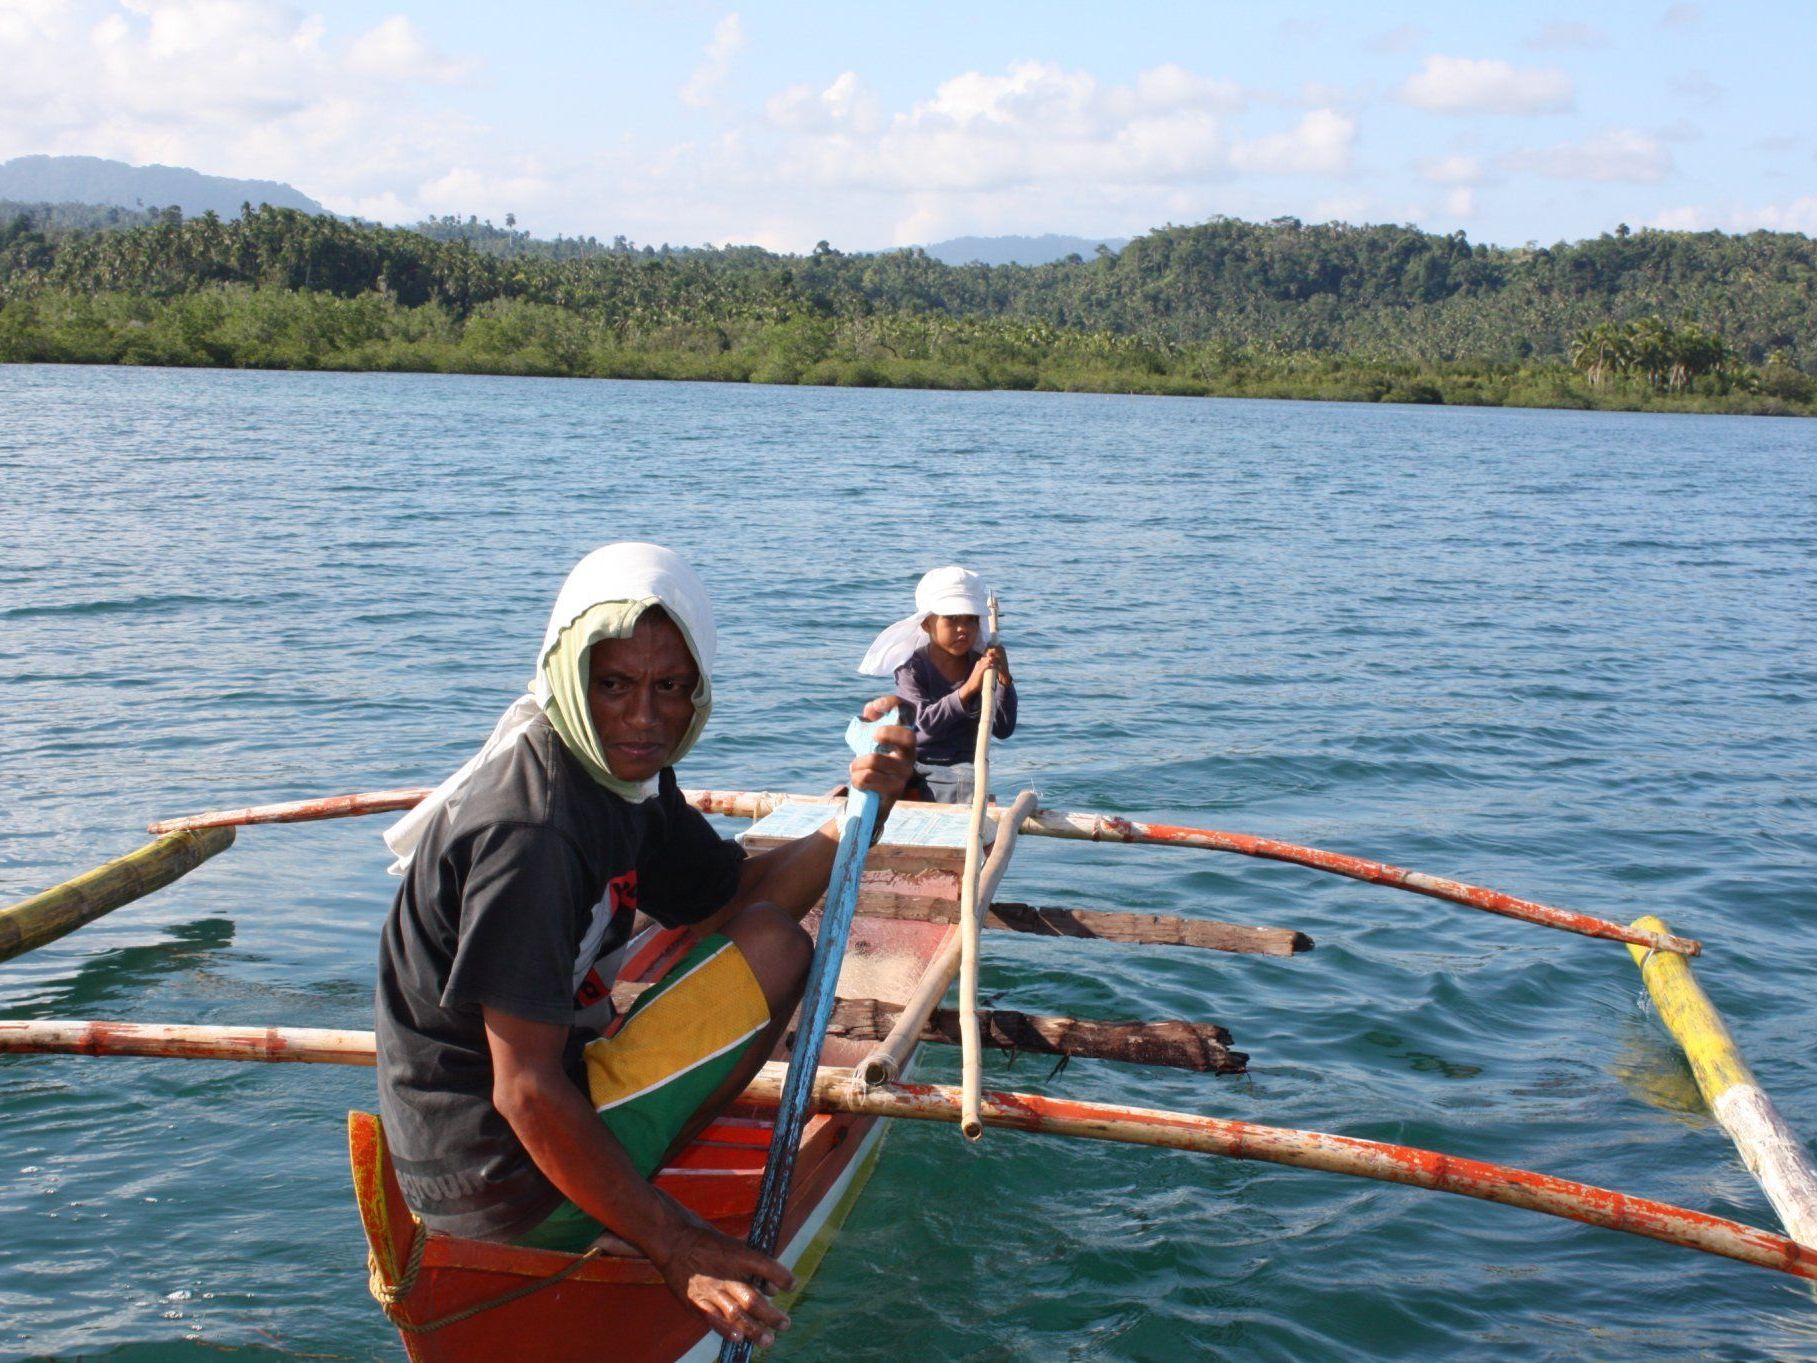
1649,319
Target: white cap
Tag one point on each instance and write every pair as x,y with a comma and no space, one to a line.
951,590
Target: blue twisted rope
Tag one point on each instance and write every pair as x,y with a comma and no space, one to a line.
856,824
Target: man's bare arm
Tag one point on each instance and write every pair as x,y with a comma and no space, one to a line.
794,875
565,1137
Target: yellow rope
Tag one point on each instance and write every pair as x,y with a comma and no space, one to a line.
389,1296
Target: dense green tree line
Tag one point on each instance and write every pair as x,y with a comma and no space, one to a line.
1221,307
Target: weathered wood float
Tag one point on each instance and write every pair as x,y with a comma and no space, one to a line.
460,1299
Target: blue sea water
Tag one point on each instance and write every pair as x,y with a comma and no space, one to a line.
1566,655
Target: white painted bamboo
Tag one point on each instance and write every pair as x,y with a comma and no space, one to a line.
971,925
1771,1150
886,1060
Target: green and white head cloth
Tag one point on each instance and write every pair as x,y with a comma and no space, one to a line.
603,598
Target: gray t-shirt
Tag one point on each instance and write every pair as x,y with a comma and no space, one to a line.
516,903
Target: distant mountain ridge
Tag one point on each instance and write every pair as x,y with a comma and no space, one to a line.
96,180
1041,250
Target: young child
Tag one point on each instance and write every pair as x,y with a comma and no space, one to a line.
935,658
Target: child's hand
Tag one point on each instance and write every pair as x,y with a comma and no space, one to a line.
994,657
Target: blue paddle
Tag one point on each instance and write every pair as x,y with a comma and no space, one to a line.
856,825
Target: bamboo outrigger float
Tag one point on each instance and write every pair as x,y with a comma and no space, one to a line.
457,1300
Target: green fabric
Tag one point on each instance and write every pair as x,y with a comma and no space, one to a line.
647,1125
564,671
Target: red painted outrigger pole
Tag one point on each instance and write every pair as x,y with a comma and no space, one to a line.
832,1090
1052,823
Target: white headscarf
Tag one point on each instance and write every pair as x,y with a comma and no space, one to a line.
945,591
603,598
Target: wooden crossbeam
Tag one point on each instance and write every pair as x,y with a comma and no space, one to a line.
1199,1046
1151,929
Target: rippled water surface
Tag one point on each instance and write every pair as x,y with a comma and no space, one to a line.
1566,655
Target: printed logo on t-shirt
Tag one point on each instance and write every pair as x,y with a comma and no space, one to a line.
620,903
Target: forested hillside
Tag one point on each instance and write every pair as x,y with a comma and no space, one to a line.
1227,306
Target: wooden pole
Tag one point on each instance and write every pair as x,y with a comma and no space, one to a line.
277,1045
971,1064
885,1062
863,809
62,909
833,1091
296,811
1203,1047
1057,823
1408,1165
1146,929
1770,1148
1109,828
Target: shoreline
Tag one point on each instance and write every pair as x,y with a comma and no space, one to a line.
1536,388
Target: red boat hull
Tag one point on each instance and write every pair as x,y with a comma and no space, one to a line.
474,1301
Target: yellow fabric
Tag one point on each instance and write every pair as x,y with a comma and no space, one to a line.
564,671
717,1006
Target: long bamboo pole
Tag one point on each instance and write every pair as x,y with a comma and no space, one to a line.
1110,828
834,1091
183,1041
971,1064
297,811
62,909
1769,1147
1058,823
886,1060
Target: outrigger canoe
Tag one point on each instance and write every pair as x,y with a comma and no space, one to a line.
468,1301
457,1299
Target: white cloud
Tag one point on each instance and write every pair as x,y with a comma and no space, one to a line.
1452,170
1620,154
1040,124
1035,146
459,189
1461,202
1561,36
716,63
251,88
1320,145
1800,215
1467,85
1170,87
396,50
1343,208
845,105
1681,16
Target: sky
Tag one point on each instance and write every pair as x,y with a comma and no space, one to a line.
872,126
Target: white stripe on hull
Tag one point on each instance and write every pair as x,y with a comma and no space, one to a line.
838,1199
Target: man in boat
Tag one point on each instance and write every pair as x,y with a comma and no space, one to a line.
506,1116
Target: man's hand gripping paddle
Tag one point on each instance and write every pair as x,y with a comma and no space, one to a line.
856,825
